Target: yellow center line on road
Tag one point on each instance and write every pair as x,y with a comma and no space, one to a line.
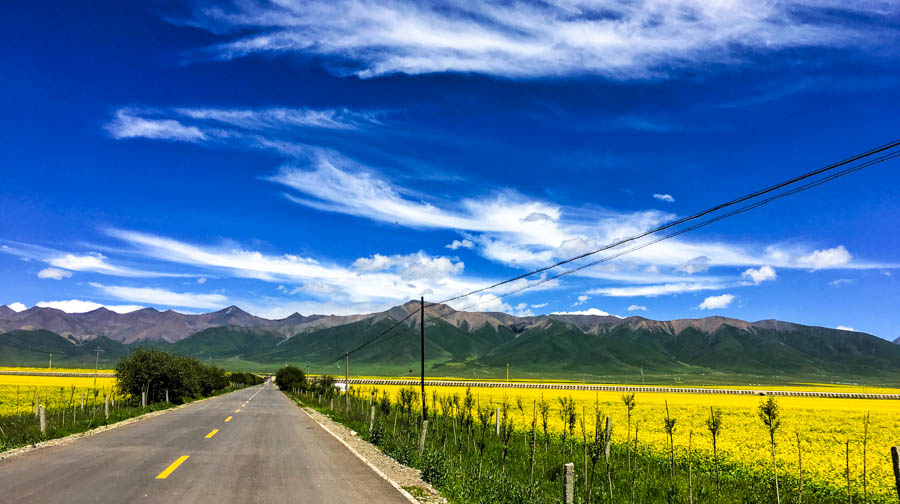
211,434
228,419
237,410
169,470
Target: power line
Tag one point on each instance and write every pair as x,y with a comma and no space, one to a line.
688,218
707,222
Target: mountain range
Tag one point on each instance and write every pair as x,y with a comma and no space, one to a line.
458,343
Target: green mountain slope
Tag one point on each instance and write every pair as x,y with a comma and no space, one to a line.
552,348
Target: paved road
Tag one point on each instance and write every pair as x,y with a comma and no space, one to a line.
269,452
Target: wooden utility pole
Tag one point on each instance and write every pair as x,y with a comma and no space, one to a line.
96,365
347,380
51,361
422,333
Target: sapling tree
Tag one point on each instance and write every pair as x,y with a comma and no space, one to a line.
669,424
714,424
544,409
769,413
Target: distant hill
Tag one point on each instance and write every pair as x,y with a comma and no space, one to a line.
461,343
897,341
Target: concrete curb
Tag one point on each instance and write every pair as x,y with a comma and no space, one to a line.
372,466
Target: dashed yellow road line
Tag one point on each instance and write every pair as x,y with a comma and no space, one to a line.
228,419
169,470
211,434
237,410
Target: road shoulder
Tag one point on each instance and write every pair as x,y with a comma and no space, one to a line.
401,477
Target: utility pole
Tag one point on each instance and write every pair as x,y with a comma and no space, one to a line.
507,372
96,366
51,361
422,333
347,380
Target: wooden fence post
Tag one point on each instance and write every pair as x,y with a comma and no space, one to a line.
143,399
106,407
895,456
498,422
43,419
569,479
422,437
372,418
82,401
167,396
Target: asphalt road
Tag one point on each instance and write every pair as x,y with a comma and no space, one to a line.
268,452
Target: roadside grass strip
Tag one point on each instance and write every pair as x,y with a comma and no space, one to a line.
174,465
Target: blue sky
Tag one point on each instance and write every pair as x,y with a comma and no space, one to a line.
342,157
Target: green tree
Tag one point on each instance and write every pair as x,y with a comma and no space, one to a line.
291,378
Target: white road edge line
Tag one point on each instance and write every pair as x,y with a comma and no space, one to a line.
372,466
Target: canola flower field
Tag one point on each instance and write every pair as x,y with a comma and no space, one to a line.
827,428
17,393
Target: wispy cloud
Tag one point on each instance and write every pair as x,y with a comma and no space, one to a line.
532,39
63,263
635,307
128,125
668,198
162,297
656,290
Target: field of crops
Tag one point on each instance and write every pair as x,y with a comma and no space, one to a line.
17,393
825,427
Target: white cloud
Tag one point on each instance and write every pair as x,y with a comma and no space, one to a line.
665,197
411,266
827,258
886,273
589,311
54,273
845,328
282,118
201,280
635,307
716,302
840,281
655,290
760,275
581,300
460,244
698,264
527,39
80,306
128,125
541,305
163,297
17,307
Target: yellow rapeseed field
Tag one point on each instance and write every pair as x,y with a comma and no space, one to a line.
824,425
17,392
